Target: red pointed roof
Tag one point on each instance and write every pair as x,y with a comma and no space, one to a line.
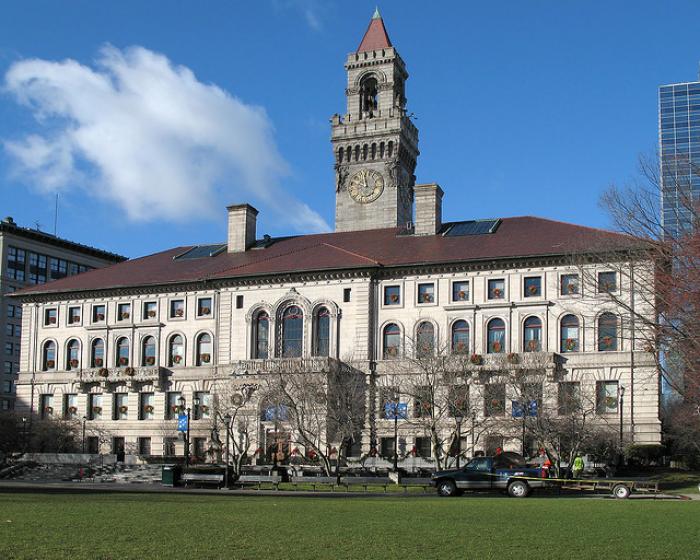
376,36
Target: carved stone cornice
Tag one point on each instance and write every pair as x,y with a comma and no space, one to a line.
108,377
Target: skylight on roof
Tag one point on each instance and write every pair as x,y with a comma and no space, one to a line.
201,251
472,227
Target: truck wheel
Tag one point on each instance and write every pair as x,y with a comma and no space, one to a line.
446,488
518,489
621,491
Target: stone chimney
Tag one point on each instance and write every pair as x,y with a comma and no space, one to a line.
242,222
428,209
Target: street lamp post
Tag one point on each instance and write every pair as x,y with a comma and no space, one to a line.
397,401
227,420
459,419
24,434
83,444
183,403
621,392
471,435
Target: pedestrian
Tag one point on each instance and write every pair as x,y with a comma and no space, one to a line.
578,466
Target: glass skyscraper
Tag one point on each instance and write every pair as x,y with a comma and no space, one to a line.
679,143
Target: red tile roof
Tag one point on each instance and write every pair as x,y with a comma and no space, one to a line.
515,237
376,36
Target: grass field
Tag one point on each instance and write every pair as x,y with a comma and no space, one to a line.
155,526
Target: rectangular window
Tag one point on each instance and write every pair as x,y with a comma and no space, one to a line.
144,446
424,447
73,315
387,446
93,445
199,447
606,397
495,399
533,286
569,397
607,282
10,311
346,294
121,406
458,396
173,406
16,263
8,367
422,404
426,293
9,329
99,313
123,312
50,316
239,302
570,284
497,289
392,295
9,348
204,307
177,308
460,290
169,446
150,310
72,269
147,407
46,404
70,407
95,406
7,386
203,410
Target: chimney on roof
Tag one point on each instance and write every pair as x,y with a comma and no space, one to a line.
242,225
428,209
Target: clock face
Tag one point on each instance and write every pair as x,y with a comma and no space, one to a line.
366,185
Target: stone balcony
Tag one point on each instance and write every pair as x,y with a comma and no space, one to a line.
282,365
128,375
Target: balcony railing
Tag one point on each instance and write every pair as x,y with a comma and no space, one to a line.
283,365
128,375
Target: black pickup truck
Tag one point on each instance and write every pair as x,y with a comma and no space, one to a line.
504,472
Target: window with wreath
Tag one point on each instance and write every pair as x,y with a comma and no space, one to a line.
496,332
607,282
496,289
569,328
607,397
532,334
569,398
148,351
204,349
458,400
49,356
147,406
72,354
122,358
323,333
97,353
391,341
262,336
121,406
607,332
460,337
569,284
425,340
70,406
292,332
176,351
532,286
426,293
495,399
423,402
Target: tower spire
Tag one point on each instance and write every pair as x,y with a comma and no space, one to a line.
376,36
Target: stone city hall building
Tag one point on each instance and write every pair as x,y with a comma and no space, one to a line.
121,345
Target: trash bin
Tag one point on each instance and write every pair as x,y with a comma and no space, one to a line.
170,475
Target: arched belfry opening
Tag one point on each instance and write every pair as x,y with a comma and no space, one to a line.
369,97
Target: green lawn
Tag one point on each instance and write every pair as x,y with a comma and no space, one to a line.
176,526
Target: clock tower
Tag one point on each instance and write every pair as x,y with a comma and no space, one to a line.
375,144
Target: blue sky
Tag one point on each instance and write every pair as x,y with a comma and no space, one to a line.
524,107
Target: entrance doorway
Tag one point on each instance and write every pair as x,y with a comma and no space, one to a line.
277,446
118,448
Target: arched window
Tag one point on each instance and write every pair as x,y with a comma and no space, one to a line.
122,352
373,151
176,351
425,339
262,336
392,341
496,336
348,153
204,349
460,337
364,151
292,332
341,153
49,356
72,354
148,351
97,353
607,333
369,96
357,152
381,150
569,333
323,333
532,335
390,148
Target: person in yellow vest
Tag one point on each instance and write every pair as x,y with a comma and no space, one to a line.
578,467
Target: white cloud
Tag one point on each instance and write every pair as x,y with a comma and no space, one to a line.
149,137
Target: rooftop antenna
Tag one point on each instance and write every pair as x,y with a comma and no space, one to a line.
55,217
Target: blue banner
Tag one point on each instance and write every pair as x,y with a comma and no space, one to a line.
182,422
518,409
397,411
